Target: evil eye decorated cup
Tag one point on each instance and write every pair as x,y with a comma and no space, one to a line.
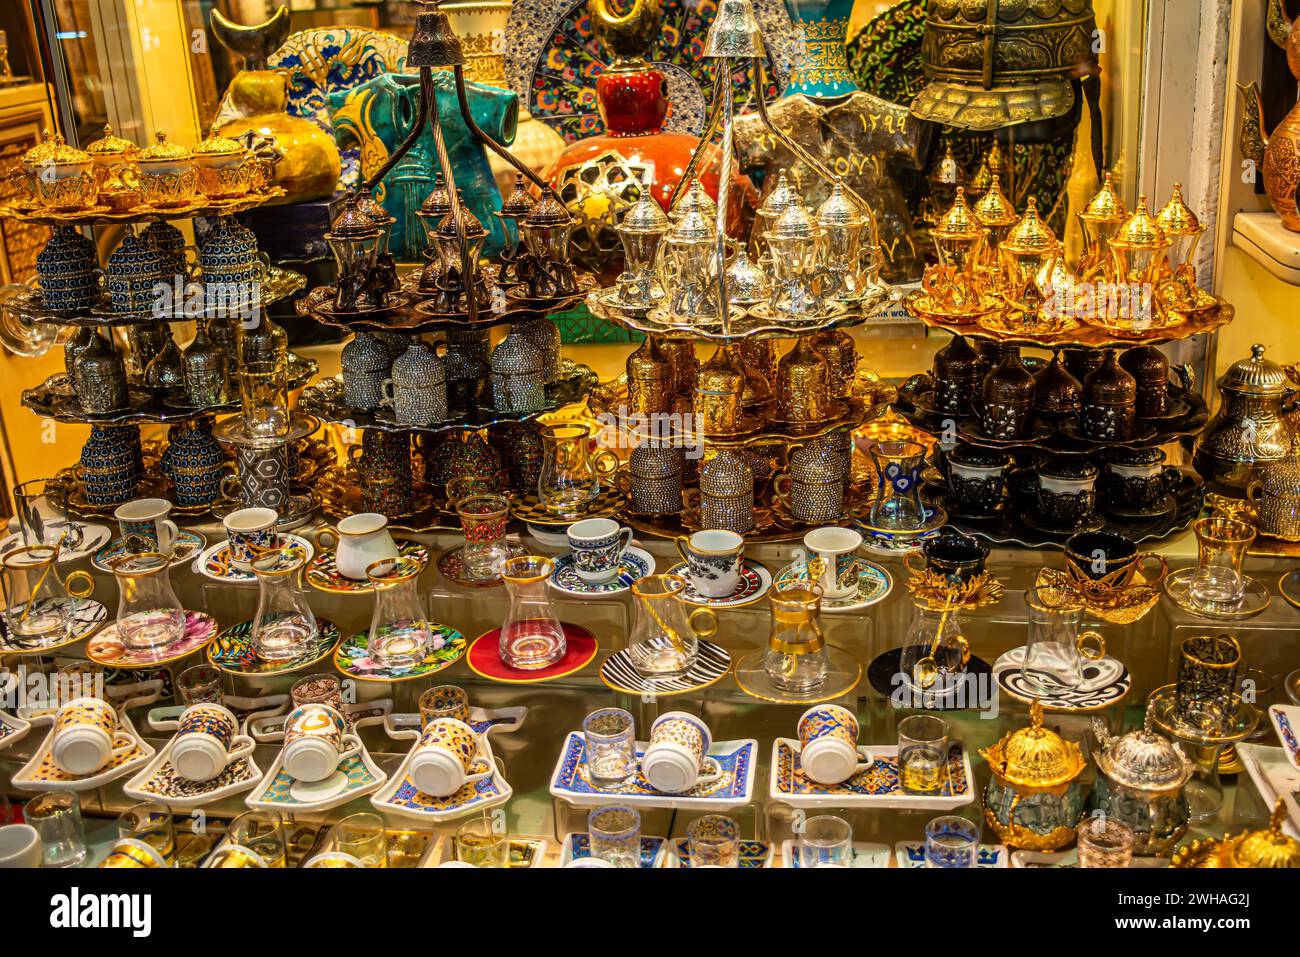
315,741
597,545
828,744
207,742
86,736
675,759
447,757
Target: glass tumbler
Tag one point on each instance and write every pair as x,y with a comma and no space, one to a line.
444,701
261,834
38,606
150,823
922,754
615,834
363,836
713,841
56,815
149,615
264,398
826,841
611,748
1105,842
483,517
898,505
200,684
480,843
1221,543
1207,679
951,841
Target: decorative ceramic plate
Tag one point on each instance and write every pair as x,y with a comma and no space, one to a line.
912,854
1286,722
753,854
12,729
159,781
484,657
85,617
864,854
874,786
553,59
352,657
215,561
232,651
401,798
93,537
41,773
106,648
1105,682
451,564
754,581
571,780
324,575
357,775
187,544
874,584
577,844
712,662
634,565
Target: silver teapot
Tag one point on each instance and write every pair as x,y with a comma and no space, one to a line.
1250,429
1141,784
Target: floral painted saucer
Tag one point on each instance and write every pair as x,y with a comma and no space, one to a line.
753,854
635,564
874,584
12,729
159,781
215,561
401,798
911,854
187,545
232,651
876,785
107,648
352,657
280,791
577,845
41,773
755,580
323,574
452,565
85,616
864,854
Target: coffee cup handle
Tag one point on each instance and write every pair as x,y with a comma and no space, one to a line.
228,490
866,759
353,747
1152,566
625,537
73,534
711,776
123,744
318,539
173,530
387,393
480,762
907,563
241,746
683,543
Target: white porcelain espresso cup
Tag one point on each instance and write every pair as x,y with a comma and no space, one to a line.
675,759
359,541
86,736
316,739
835,548
20,846
447,757
713,558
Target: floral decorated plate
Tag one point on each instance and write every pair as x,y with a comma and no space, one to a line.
401,798
571,780
159,781
352,657
106,648
215,562
324,575
874,584
873,786
635,564
186,546
755,580
232,651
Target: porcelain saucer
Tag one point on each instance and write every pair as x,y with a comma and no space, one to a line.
186,546
106,648
635,564
874,585
1105,682
93,537
754,582
215,562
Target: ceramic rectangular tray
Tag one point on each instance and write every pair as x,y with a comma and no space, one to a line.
874,786
571,781
911,854
402,799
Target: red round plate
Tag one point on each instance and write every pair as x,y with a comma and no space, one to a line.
485,659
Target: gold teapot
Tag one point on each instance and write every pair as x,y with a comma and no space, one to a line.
1034,799
1268,847
1276,152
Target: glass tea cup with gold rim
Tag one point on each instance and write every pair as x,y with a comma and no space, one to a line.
572,474
796,660
1056,650
531,634
39,605
149,615
1217,584
666,632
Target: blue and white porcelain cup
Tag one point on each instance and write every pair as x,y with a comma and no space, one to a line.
145,526
828,744
713,558
250,531
597,545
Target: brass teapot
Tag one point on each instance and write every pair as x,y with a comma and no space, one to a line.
1264,848
1278,152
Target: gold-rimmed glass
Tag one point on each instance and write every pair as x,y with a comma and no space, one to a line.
1221,543
262,834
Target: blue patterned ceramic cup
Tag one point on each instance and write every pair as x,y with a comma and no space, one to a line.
598,545
828,744
145,526
713,558
251,531
675,759
832,551
207,742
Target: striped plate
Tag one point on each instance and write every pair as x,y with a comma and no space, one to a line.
711,666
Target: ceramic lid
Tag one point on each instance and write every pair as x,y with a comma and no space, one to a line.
993,208
726,474
777,200
111,145
1143,759
1031,234
1140,231
645,217
163,152
839,209
1264,848
1035,757
1106,205
1256,375
957,223
1177,218
518,203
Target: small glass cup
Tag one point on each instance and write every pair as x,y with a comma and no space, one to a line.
480,843
150,823
826,841
444,701
1206,679
713,841
56,815
611,747
922,754
1221,543
234,857
261,833
1105,842
319,689
615,834
483,517
200,684
264,397
363,836
951,841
